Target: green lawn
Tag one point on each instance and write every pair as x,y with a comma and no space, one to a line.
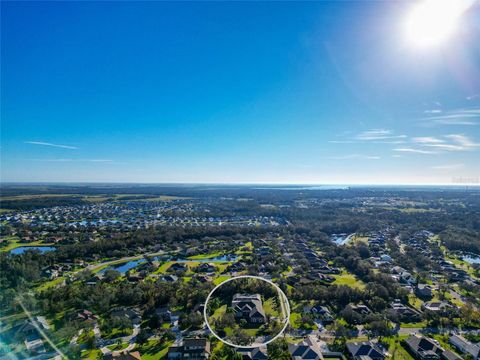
414,301
219,312
154,350
205,256
294,316
220,279
116,347
421,324
92,354
396,350
115,333
270,308
348,279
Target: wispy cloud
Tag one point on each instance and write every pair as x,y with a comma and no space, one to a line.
416,151
435,145
465,116
448,167
42,143
75,160
378,134
355,157
463,140
427,140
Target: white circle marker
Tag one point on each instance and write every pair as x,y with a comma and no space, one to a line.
287,320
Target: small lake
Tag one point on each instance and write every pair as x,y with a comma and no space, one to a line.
341,239
471,259
22,249
123,268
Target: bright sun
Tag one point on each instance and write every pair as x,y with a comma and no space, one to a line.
431,22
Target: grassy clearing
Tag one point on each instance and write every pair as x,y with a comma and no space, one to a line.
396,350
220,279
154,350
294,318
420,324
349,280
245,249
205,256
117,347
270,308
219,312
415,302
51,283
91,354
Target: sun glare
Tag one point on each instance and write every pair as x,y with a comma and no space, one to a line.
431,22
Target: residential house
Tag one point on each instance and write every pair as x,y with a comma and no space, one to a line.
424,348
163,313
178,267
86,315
129,313
366,350
193,349
206,268
34,344
320,312
170,278
403,313
360,309
464,346
437,306
307,349
249,307
256,353
424,291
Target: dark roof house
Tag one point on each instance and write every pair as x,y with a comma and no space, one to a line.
193,349
365,351
249,307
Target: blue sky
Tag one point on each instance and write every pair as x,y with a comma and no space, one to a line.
272,92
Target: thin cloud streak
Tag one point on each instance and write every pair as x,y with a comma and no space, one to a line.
75,160
416,151
465,116
42,143
355,156
448,167
378,134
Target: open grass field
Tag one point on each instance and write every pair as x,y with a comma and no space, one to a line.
205,256
220,279
349,280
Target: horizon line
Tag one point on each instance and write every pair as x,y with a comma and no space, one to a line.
475,184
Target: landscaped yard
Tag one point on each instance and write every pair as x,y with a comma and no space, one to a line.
396,350
221,279
154,350
92,354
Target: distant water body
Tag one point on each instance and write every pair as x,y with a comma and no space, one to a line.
22,249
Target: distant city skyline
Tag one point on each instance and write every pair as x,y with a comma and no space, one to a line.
233,92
